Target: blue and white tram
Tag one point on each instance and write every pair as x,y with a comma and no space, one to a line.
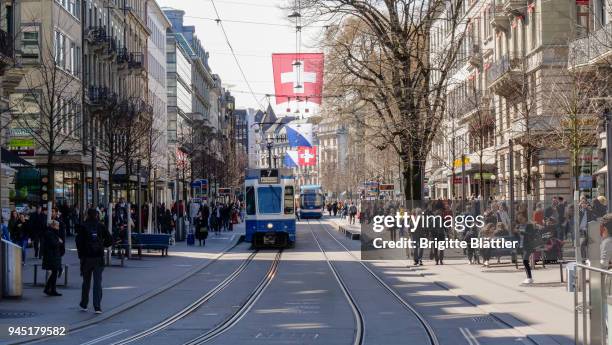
270,207
312,202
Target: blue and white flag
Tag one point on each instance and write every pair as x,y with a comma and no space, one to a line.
291,159
299,134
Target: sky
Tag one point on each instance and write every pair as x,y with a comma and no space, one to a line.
253,43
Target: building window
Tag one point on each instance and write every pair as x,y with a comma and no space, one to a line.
30,46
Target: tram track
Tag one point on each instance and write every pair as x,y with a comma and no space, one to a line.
359,324
242,311
192,307
82,326
433,340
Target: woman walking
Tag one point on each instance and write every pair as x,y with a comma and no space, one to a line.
53,250
202,225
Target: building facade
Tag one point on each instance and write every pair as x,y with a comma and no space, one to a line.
499,115
158,24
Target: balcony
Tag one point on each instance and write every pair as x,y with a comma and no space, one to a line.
97,97
475,55
97,38
593,50
499,18
515,7
136,63
110,50
123,58
505,77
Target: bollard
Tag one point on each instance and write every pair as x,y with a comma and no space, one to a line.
570,268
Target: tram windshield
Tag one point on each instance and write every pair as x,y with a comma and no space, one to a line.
312,200
269,199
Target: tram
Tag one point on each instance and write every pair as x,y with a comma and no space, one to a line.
270,207
312,201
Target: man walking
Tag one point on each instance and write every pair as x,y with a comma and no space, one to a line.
91,240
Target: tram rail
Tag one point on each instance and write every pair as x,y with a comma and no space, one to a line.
431,335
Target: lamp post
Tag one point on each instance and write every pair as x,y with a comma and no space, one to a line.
269,144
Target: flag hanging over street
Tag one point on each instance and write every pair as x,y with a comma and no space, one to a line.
298,83
298,76
299,134
307,156
291,159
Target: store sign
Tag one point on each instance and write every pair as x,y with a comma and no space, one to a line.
554,161
485,176
20,132
466,163
24,153
387,187
458,180
21,142
225,191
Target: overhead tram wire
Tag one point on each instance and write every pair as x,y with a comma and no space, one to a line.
218,20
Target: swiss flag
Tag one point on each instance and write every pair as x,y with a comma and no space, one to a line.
307,156
298,77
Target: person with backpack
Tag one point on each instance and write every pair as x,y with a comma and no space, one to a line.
92,238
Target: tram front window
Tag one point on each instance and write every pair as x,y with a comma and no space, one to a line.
250,200
269,199
312,200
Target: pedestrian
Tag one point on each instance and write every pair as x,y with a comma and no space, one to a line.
22,236
527,234
52,251
12,228
91,240
202,225
606,244
352,213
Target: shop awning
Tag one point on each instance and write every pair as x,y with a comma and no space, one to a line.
602,171
14,161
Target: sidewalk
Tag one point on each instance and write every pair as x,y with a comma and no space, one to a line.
543,311
544,307
123,287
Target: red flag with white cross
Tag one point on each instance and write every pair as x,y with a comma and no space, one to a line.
307,156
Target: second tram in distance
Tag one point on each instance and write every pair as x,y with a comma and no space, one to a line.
312,202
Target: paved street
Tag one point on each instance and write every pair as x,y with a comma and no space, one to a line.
318,293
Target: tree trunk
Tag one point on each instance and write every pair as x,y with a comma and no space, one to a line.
50,180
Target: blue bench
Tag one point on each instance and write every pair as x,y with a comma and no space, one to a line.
148,241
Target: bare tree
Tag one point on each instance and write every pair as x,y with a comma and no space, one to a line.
49,109
581,97
379,54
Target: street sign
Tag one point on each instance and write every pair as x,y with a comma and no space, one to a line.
387,187
225,191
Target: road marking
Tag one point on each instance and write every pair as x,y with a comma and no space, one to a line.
105,337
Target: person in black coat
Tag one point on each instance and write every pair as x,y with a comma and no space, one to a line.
52,251
92,238
202,225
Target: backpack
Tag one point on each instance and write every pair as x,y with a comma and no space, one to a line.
95,243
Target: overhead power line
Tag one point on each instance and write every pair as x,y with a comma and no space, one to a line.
235,57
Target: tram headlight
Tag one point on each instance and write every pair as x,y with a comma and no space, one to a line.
270,225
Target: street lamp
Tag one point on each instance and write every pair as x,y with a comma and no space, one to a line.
275,158
269,144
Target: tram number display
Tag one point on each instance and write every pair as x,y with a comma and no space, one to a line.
269,176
